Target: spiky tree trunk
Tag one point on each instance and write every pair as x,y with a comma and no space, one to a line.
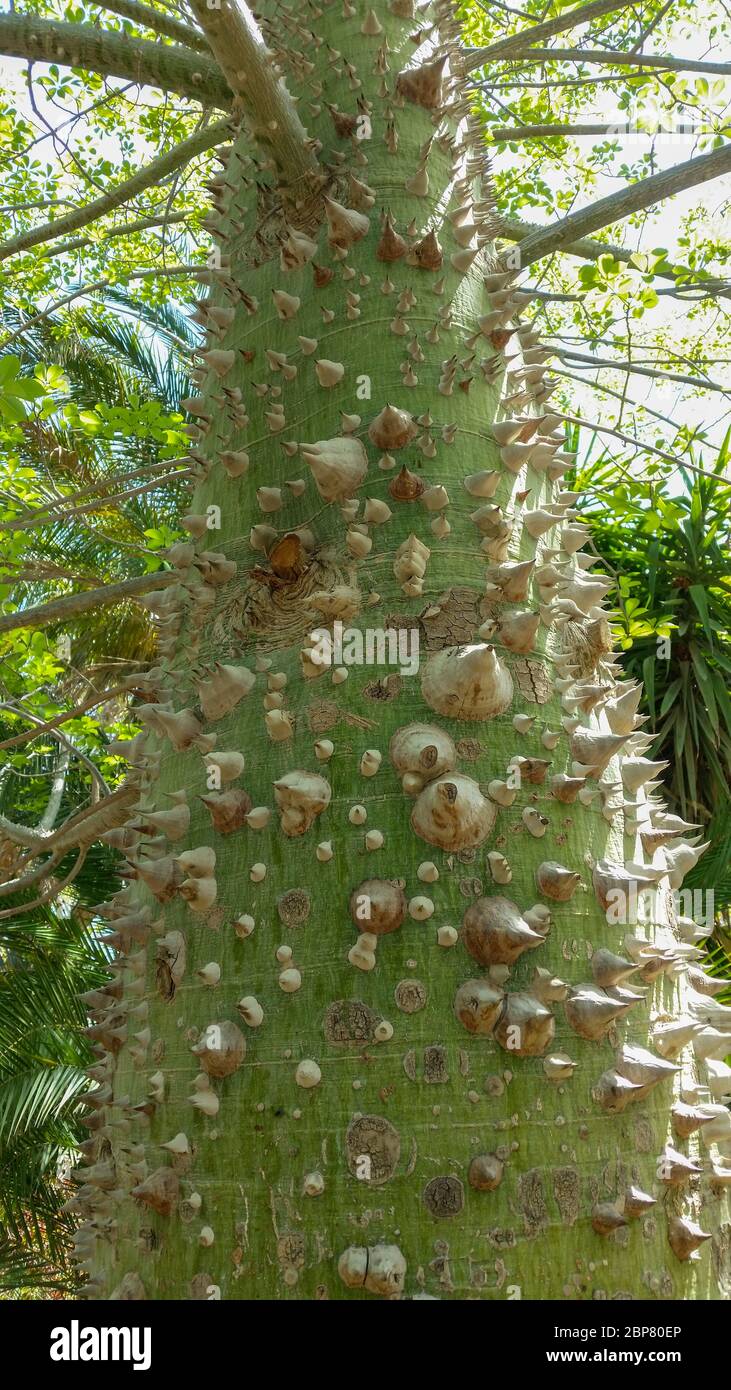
384,1018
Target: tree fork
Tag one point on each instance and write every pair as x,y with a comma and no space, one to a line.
237,44
408,1033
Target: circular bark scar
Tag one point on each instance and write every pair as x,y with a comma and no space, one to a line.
322,715
410,996
291,1250
200,1286
372,1148
444,1196
294,907
349,1020
470,749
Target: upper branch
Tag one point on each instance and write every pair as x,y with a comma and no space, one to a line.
247,65
515,43
618,59
172,69
146,18
151,174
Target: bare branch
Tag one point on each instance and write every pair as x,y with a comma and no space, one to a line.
71,606
98,785
92,821
143,224
39,517
26,880
124,192
87,825
40,203
102,503
54,888
587,249
621,60
599,363
617,206
172,69
560,132
21,835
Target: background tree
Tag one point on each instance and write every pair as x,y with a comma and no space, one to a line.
266,218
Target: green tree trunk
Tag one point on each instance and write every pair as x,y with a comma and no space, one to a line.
343,1063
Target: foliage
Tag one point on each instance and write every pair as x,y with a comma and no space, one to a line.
46,960
668,552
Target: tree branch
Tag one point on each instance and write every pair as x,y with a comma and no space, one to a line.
587,249
514,43
620,60
617,206
72,605
124,192
26,880
48,725
599,363
102,503
39,517
58,787
146,18
172,69
98,785
54,888
87,825
559,131
143,224
238,45
79,831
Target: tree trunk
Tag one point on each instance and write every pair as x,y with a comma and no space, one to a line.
344,1063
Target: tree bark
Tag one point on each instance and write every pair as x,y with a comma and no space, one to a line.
172,69
329,1111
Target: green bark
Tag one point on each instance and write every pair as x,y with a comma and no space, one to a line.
168,66
238,1213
